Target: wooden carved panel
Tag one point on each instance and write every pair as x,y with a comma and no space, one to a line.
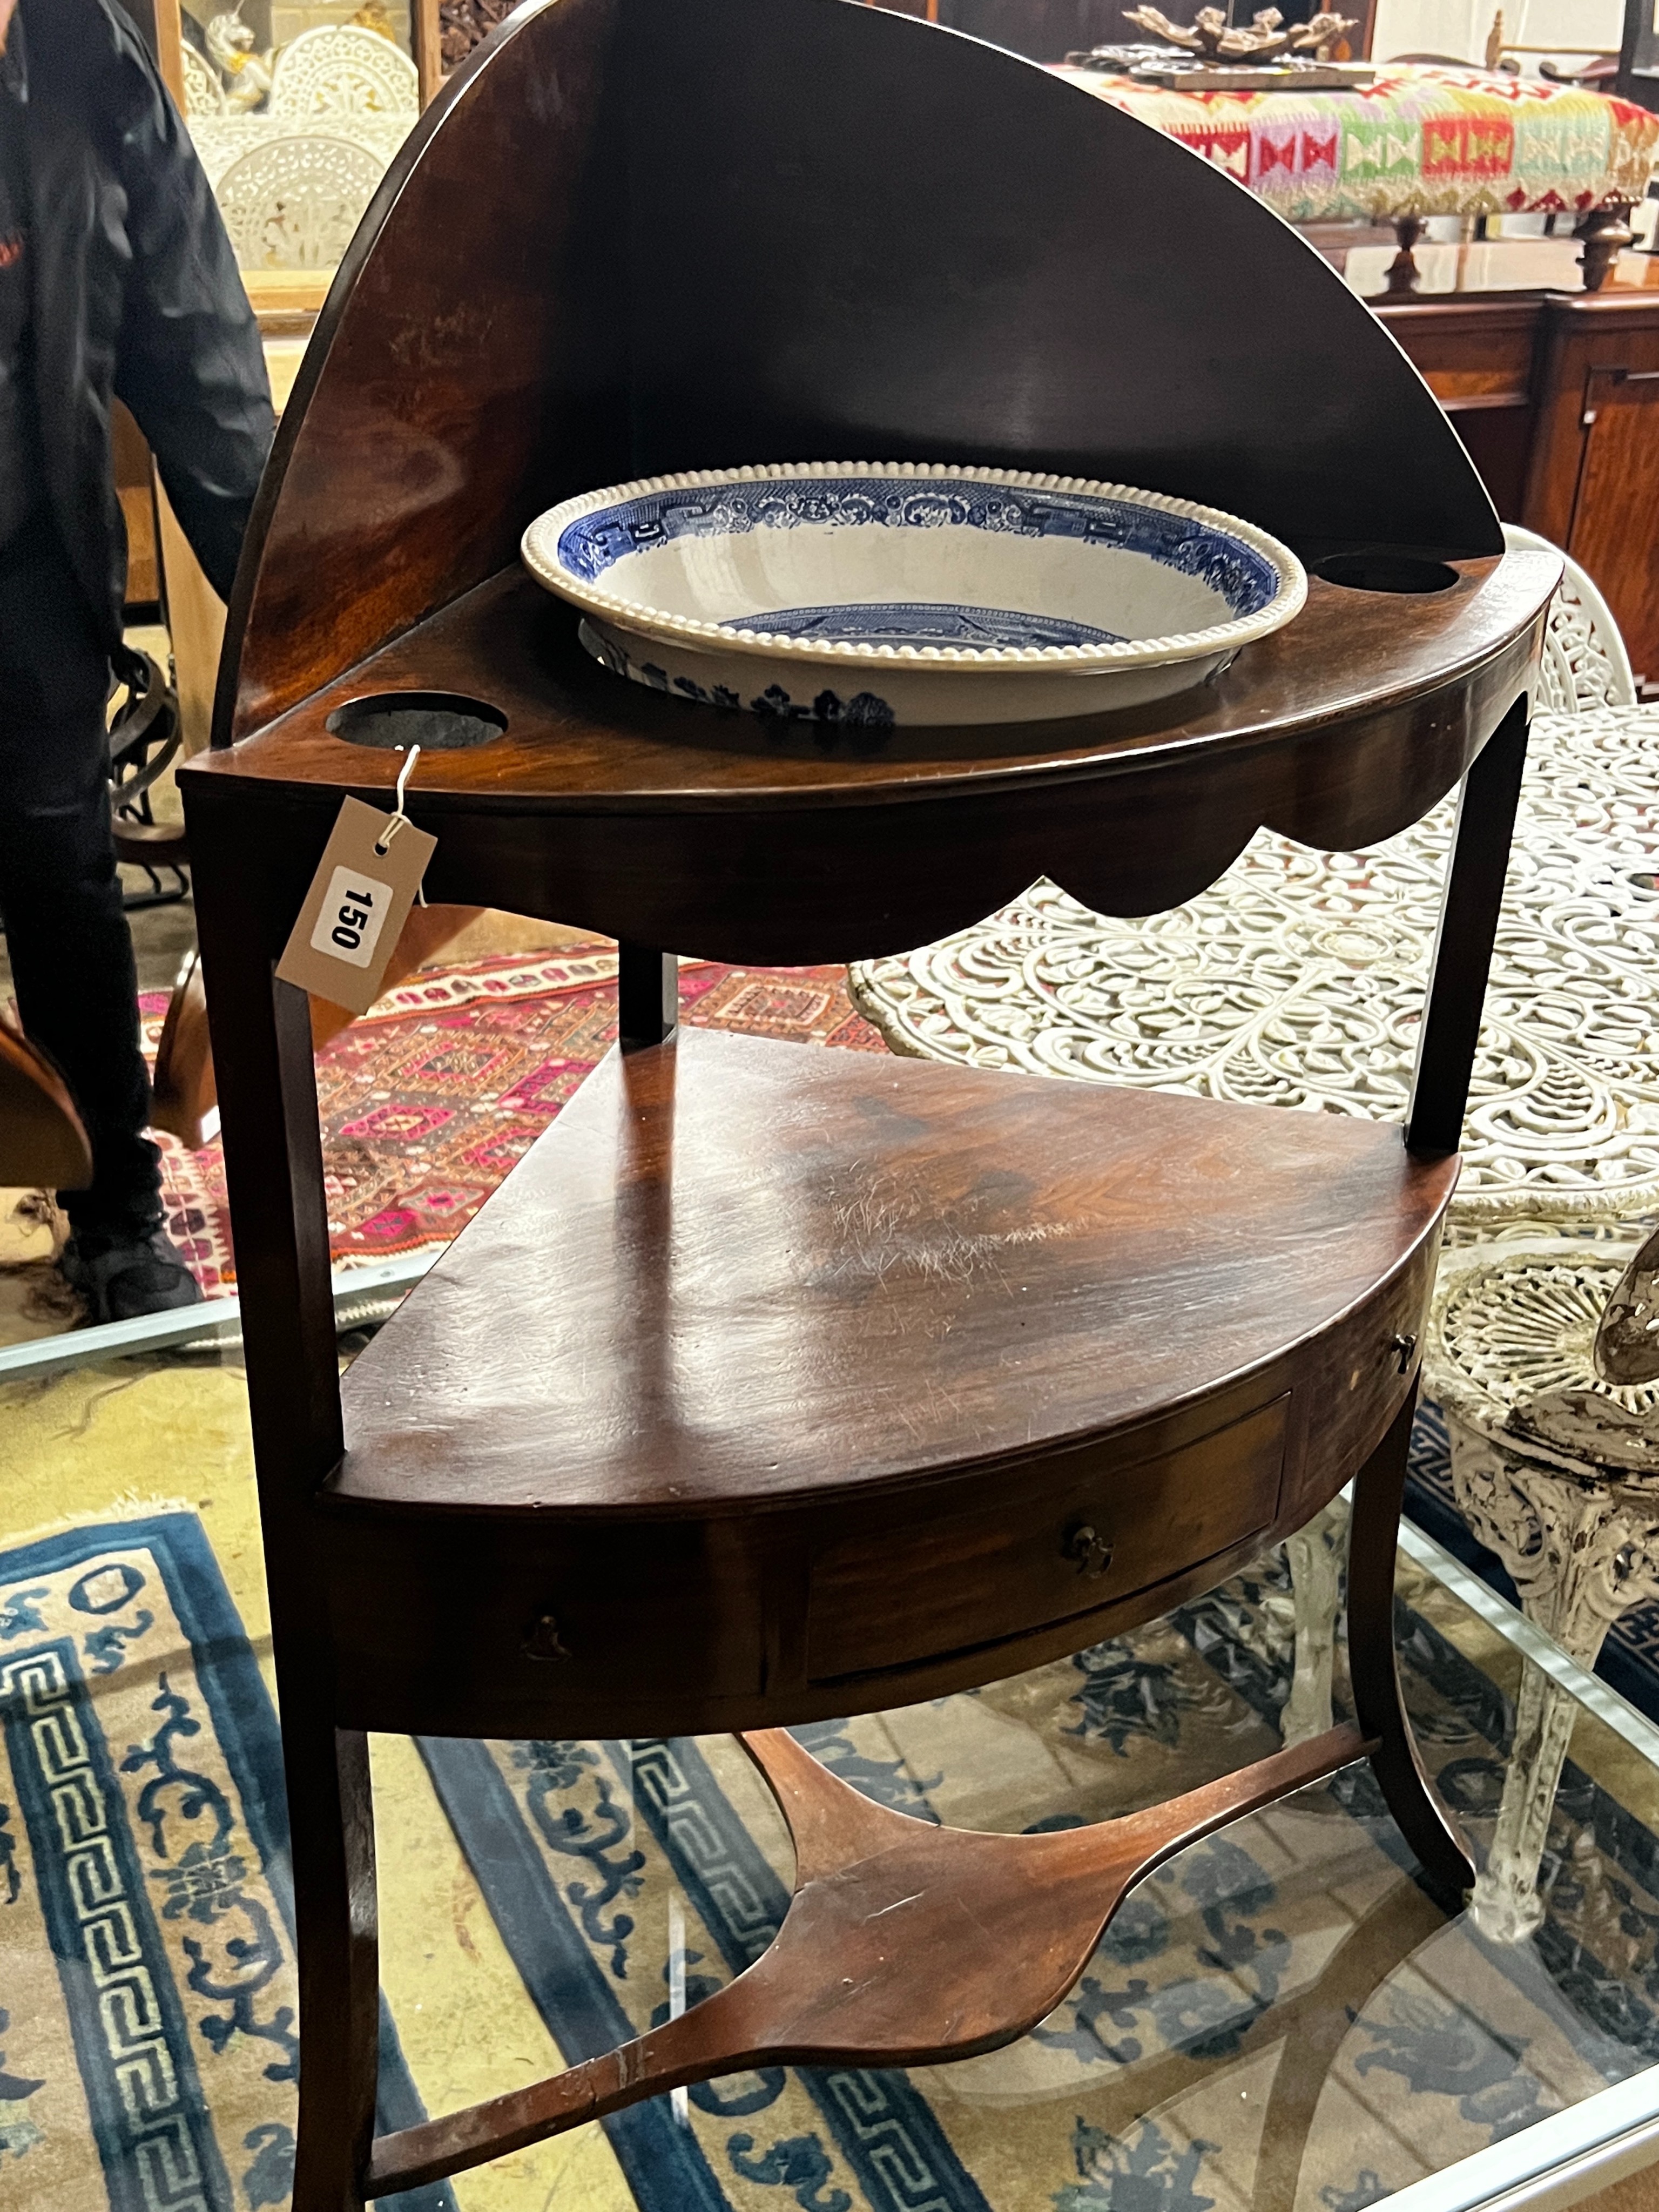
464,24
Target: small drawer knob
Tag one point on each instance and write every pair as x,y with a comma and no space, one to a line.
1091,1552
1403,1348
542,1640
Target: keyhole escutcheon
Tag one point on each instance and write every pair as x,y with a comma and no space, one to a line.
542,1640
1091,1552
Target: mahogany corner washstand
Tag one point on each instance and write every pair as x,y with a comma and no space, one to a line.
773,1383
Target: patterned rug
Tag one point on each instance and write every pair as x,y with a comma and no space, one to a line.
1280,2019
430,1100
147,1977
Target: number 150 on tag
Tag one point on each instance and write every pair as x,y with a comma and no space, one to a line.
354,911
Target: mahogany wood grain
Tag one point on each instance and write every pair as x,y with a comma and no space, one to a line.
334,1560
1593,477
658,822
578,738
1374,1669
267,1087
750,1307
1523,374
1478,356
904,1944
829,1359
768,229
1029,1551
426,44
459,387
812,1272
1462,344
1613,506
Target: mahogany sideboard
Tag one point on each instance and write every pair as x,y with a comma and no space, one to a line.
1555,394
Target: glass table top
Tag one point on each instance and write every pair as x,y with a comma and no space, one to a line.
1278,2018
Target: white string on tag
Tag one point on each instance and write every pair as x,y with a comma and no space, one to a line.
398,818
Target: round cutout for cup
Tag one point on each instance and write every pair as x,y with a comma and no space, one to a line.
1385,571
437,721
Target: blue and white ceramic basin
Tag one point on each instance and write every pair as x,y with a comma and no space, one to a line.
865,593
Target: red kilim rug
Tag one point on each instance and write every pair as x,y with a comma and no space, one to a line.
432,1098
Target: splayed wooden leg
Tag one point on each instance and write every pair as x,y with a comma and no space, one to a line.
1412,1799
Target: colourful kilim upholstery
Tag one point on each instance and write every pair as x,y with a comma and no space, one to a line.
1418,142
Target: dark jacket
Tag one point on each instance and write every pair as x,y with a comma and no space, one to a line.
136,292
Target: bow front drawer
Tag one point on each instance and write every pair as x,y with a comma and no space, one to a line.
975,1561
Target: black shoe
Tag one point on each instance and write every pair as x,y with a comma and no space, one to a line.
122,1276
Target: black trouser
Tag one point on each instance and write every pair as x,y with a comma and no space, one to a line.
60,898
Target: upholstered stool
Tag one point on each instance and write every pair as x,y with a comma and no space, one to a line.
1420,141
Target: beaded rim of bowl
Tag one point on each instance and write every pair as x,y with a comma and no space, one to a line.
539,550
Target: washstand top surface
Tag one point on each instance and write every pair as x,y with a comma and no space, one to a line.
633,239
539,726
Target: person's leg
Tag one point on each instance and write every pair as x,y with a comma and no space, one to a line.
71,958
66,934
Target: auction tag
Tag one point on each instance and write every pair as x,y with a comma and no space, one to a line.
359,900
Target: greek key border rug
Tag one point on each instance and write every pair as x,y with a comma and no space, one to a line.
1279,2019
147,2053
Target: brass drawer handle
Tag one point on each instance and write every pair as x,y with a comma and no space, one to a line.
542,1640
1092,1553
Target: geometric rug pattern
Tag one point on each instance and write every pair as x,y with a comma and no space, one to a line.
429,1100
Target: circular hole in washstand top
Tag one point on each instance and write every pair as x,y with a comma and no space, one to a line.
437,721
1385,571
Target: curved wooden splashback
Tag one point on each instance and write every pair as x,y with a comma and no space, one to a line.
641,235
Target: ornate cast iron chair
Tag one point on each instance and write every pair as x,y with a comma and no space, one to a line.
1555,1466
